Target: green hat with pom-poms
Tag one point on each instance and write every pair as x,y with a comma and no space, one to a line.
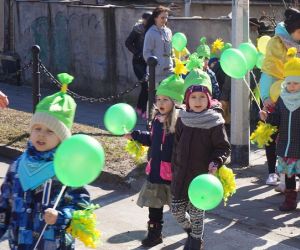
203,49
57,111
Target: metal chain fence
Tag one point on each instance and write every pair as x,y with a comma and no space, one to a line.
48,74
85,98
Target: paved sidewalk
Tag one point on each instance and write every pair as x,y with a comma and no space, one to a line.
250,221
20,98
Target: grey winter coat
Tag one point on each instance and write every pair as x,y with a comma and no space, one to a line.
158,43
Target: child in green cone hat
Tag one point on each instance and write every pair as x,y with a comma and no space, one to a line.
30,188
203,52
200,147
155,193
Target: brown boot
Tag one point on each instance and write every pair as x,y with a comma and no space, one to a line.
154,236
290,201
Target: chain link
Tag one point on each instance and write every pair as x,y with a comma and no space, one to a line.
84,98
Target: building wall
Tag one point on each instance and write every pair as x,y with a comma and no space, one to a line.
89,41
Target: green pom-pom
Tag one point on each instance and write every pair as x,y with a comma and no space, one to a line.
203,40
65,78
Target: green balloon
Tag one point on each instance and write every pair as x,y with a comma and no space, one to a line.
179,41
233,63
120,119
250,53
260,60
205,192
78,160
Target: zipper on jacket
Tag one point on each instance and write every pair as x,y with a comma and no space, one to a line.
289,135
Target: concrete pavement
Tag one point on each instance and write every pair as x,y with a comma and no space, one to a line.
250,221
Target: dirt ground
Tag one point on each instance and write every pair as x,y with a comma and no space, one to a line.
14,127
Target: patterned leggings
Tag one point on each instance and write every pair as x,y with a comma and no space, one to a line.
189,217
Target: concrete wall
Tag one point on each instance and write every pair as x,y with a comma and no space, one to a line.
88,41
1,25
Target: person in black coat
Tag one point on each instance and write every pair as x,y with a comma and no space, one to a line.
135,43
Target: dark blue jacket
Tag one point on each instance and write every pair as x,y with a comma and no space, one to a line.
161,147
21,213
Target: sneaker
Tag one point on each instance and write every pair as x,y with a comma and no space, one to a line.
272,180
280,188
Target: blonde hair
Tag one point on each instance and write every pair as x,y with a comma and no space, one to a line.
170,121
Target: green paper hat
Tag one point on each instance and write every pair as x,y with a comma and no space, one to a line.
57,111
172,87
197,77
203,49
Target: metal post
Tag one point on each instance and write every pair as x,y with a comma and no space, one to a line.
240,102
152,62
187,8
36,76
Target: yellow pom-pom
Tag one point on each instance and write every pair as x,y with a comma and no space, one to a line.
217,45
83,226
292,52
262,135
227,178
136,150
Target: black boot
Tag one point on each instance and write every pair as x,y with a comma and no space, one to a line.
196,244
154,236
187,242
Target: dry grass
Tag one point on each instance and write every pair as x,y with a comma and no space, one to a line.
14,133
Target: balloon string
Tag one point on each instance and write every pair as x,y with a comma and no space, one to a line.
252,94
54,207
254,78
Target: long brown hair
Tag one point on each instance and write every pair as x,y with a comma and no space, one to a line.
156,12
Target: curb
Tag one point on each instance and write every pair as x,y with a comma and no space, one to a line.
129,182
10,152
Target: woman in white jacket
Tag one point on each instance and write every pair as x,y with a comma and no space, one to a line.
158,43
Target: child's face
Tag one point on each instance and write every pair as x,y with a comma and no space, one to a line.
296,35
42,138
164,104
293,87
198,101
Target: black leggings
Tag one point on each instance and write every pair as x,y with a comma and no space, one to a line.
156,215
140,71
290,182
271,154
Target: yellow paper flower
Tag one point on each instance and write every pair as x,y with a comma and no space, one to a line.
227,178
135,149
83,226
217,45
179,68
262,135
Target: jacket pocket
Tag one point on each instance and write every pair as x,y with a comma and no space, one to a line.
165,170
148,167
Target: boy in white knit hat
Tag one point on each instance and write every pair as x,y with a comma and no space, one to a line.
30,187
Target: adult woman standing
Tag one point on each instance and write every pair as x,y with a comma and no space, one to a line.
158,43
135,43
287,35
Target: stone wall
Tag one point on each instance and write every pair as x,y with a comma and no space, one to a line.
89,41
